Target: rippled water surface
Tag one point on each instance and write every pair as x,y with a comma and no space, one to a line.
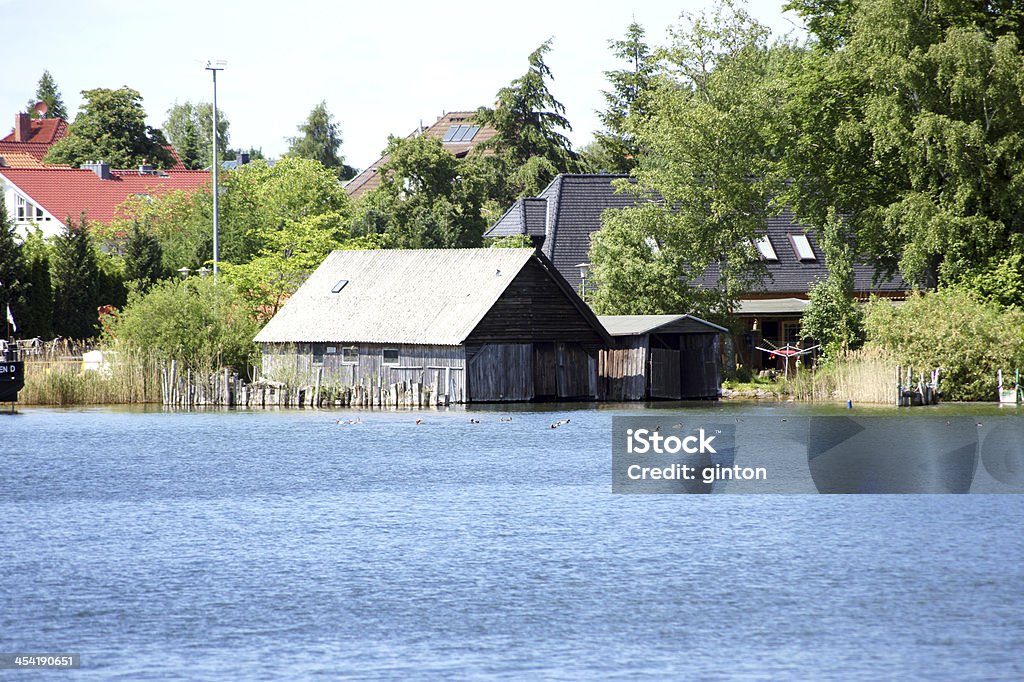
284,545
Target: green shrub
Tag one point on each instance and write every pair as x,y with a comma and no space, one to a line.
953,329
196,322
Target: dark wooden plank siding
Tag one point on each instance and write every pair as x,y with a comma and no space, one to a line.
664,373
700,366
534,308
622,373
575,378
501,372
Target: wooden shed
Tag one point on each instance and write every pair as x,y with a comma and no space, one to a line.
672,357
473,325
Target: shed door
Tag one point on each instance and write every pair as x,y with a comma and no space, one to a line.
664,373
700,364
501,372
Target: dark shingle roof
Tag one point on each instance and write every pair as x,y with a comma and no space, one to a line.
574,206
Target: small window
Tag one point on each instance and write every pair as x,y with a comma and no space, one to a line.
350,355
318,353
765,248
390,356
339,286
332,350
802,247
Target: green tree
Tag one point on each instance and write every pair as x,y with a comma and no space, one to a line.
529,122
143,258
629,88
36,318
197,322
12,270
111,127
75,274
705,183
189,127
833,318
955,330
320,140
47,92
427,198
912,129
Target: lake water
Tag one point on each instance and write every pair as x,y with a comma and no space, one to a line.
283,545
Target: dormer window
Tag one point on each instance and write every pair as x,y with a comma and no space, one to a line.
765,248
802,247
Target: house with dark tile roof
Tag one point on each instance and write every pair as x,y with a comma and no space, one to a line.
562,218
457,132
45,196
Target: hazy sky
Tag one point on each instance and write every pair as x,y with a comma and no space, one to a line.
382,66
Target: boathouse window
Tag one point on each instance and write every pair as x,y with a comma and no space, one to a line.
390,356
318,353
339,286
802,247
350,355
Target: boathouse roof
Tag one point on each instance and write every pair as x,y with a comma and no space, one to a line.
421,296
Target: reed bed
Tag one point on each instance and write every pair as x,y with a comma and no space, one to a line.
864,376
55,376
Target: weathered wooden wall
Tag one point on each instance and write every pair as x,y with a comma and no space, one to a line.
700,360
622,371
534,308
501,372
442,368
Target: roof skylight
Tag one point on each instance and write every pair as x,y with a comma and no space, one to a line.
802,247
460,133
339,286
765,248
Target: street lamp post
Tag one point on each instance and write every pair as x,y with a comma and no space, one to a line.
213,66
584,269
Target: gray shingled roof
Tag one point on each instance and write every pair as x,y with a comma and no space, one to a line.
427,296
634,325
574,206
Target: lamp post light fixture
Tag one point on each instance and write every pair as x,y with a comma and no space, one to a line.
584,269
203,271
213,66
184,272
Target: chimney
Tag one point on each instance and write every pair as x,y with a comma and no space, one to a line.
243,158
22,127
100,168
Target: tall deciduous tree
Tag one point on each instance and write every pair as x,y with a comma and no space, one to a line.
708,142
75,275
48,93
618,150
320,140
111,127
189,127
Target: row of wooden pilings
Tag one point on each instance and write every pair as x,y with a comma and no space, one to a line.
226,389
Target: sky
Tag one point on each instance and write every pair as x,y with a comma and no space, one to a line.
382,66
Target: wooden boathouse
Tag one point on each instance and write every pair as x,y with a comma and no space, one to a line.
672,357
471,325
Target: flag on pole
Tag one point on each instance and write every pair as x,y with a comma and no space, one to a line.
10,318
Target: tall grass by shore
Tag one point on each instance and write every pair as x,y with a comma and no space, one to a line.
866,376
55,376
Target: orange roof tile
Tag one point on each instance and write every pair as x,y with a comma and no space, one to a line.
69,191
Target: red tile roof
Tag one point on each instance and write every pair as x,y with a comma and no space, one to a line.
44,133
69,191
